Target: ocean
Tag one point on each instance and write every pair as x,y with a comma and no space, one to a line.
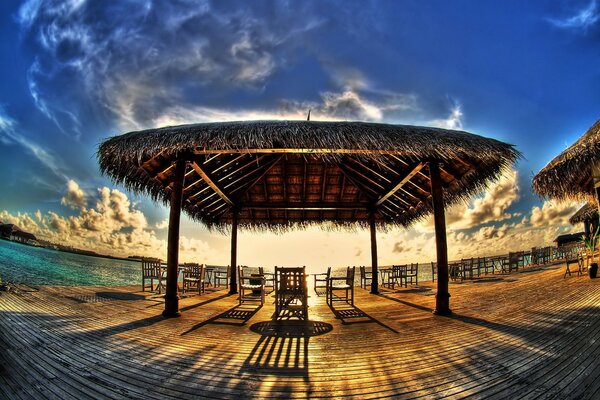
20,263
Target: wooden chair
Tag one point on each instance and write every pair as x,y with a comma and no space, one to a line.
193,277
578,261
398,276
366,277
221,276
269,278
412,274
150,271
321,280
250,285
345,284
291,297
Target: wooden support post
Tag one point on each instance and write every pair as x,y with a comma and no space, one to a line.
233,272
374,272
171,295
442,298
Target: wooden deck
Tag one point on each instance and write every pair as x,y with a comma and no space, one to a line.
526,335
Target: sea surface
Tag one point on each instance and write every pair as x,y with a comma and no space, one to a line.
20,263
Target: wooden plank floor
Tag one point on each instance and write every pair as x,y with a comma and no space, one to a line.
526,335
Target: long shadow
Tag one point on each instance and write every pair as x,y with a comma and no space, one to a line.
201,303
120,296
350,314
237,316
283,355
406,303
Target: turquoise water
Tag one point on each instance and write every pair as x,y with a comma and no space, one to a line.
39,266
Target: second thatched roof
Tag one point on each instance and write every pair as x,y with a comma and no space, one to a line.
588,212
569,175
285,174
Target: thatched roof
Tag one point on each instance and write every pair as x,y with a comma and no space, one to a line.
284,174
589,211
569,175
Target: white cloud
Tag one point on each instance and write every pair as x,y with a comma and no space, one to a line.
113,226
583,19
453,121
552,213
491,207
74,197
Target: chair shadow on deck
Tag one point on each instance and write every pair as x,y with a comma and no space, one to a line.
349,314
283,347
237,316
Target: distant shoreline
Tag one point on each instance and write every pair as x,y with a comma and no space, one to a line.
52,246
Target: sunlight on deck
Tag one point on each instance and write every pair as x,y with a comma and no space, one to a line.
511,336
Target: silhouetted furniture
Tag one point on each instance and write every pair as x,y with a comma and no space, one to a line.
222,277
269,278
387,276
398,276
515,261
455,270
321,280
341,284
150,271
193,277
578,261
291,297
365,277
487,265
251,286
412,274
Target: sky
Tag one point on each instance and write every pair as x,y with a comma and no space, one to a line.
75,72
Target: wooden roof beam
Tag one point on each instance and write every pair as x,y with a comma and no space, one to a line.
412,172
211,183
317,206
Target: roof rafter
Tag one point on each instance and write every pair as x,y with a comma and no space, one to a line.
412,172
212,184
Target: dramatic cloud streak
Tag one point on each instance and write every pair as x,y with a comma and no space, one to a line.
583,19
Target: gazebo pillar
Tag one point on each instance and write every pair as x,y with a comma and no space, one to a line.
233,275
171,295
442,297
374,271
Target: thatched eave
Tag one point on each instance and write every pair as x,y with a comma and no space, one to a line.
282,175
569,175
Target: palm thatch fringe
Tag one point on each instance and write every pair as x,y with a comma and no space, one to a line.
569,175
121,158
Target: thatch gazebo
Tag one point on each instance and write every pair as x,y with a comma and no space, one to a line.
282,175
588,214
575,173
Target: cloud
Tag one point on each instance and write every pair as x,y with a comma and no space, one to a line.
137,61
112,226
9,134
584,18
74,196
164,224
491,206
453,121
552,213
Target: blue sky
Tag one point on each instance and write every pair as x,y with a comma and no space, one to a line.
75,72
